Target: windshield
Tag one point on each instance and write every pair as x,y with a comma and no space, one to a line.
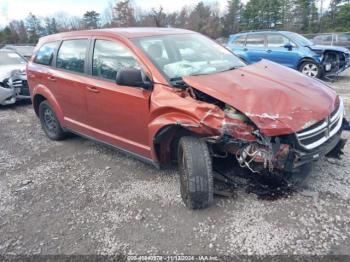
11,58
187,54
300,39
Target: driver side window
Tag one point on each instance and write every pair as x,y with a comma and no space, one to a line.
109,57
276,40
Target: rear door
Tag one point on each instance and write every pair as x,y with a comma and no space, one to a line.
118,115
69,81
237,45
277,52
255,48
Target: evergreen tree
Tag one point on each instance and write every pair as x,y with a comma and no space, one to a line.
231,20
34,28
91,20
51,26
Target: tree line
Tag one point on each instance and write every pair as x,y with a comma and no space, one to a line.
302,16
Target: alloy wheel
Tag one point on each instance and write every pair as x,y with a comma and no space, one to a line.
310,69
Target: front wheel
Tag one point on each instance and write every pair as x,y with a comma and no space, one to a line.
310,69
196,175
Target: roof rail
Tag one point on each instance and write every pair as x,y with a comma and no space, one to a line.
258,30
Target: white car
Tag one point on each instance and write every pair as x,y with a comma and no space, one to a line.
13,78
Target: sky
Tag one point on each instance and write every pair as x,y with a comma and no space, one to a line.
19,9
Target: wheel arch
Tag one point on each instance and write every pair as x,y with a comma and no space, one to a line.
166,130
41,94
166,140
37,100
307,59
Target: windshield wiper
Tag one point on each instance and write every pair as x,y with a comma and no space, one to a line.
230,68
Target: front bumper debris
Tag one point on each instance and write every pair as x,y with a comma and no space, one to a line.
13,89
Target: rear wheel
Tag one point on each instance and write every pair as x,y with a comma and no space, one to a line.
310,69
49,122
196,175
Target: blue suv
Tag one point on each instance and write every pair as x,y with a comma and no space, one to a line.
291,50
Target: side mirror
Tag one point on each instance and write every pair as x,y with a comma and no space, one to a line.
288,46
132,77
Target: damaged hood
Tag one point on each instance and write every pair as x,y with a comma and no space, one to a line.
277,99
328,48
6,70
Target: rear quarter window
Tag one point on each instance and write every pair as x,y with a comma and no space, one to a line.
240,41
72,55
46,53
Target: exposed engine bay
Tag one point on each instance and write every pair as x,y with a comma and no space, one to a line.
335,63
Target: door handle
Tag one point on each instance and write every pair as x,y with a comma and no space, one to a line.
51,78
93,89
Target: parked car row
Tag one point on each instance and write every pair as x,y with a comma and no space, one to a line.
174,96
291,50
332,39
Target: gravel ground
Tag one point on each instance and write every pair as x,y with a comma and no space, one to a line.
79,197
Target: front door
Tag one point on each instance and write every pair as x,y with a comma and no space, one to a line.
118,115
279,53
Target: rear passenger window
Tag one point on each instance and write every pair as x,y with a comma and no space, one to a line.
72,55
257,40
110,57
45,54
240,40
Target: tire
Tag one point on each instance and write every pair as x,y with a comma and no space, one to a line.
196,174
310,69
50,123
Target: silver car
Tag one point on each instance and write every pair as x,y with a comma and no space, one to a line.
13,78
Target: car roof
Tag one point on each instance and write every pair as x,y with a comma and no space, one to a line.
261,32
127,32
8,50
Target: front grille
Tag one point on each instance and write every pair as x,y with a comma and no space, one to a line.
320,132
21,86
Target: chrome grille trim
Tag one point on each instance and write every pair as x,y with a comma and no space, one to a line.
330,126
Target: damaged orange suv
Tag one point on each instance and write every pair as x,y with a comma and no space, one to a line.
175,96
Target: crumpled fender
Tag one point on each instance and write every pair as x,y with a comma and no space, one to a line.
173,107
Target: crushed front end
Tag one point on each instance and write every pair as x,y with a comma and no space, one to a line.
334,62
14,87
285,153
